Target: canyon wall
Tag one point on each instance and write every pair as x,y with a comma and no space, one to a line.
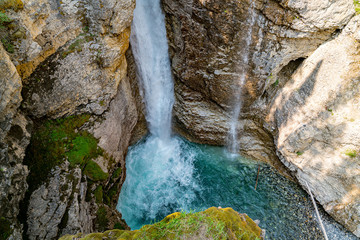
68,79
301,75
64,81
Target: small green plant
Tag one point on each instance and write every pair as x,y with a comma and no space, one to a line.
299,153
116,174
276,83
85,29
357,6
74,47
119,226
351,153
9,47
4,18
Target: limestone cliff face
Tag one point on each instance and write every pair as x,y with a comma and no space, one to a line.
14,137
317,114
207,42
307,118
64,58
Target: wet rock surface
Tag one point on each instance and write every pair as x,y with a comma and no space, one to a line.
206,41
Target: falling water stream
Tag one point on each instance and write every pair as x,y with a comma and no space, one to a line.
165,173
233,144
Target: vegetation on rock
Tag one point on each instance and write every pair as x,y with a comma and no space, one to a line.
11,4
58,140
213,223
5,228
357,6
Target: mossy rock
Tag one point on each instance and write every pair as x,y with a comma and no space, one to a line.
5,228
56,141
11,4
213,223
98,194
94,172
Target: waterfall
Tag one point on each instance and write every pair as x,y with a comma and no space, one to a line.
150,49
159,169
233,145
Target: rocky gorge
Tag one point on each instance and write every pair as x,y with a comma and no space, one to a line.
70,103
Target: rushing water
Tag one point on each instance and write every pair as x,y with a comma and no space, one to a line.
233,143
208,177
150,49
166,173
159,173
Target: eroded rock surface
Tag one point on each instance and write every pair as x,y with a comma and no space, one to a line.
14,137
311,121
317,114
207,40
70,57
13,173
84,74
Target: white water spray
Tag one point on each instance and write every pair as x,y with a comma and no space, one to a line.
233,134
150,49
160,172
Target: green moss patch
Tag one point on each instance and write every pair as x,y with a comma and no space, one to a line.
4,33
55,141
98,194
94,172
5,228
214,223
101,218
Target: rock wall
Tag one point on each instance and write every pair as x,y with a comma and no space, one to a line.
60,59
206,45
14,137
317,114
300,97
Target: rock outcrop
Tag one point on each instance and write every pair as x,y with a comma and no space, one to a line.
65,58
308,119
89,63
213,223
207,40
14,137
317,114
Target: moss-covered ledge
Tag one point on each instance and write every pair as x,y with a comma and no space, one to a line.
213,223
